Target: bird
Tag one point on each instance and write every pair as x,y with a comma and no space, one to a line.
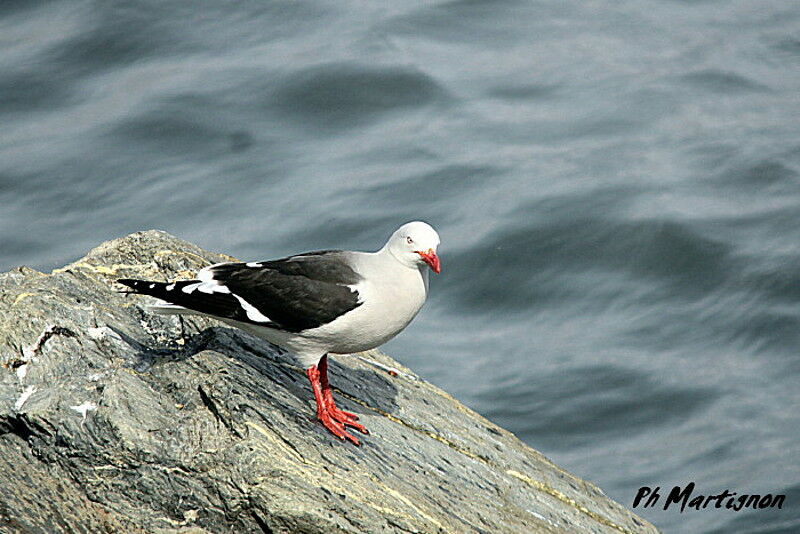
314,303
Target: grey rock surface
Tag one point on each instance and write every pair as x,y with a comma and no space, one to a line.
116,420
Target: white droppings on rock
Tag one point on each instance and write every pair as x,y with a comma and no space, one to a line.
22,371
30,390
84,408
538,515
28,352
101,332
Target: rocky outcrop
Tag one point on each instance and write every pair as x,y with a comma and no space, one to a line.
116,420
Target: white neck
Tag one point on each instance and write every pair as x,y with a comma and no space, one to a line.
403,260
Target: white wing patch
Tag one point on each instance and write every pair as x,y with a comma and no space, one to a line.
205,274
213,288
358,289
252,313
206,287
207,284
191,287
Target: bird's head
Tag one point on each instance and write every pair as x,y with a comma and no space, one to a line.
415,244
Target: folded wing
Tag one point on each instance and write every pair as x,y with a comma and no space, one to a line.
293,294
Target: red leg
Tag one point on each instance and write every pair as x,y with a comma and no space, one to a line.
346,418
328,394
335,428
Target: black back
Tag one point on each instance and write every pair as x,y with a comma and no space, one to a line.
296,293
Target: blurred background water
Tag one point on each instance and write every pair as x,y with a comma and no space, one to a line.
616,184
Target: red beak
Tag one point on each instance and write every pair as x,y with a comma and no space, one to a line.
431,259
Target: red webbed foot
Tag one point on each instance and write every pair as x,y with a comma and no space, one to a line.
334,419
346,418
336,428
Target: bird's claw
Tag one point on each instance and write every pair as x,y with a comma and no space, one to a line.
336,428
347,419
342,413
343,417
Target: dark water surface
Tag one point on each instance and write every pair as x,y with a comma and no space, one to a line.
616,183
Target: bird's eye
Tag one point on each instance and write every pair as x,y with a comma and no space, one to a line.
409,240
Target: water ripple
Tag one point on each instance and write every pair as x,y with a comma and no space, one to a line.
605,402
346,95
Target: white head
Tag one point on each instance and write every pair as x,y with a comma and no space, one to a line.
414,244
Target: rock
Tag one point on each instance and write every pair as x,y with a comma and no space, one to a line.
116,420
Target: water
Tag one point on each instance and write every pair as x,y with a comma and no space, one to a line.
617,186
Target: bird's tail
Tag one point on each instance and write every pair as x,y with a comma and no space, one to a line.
160,290
141,286
184,297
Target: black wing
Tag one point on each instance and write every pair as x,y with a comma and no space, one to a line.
293,294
